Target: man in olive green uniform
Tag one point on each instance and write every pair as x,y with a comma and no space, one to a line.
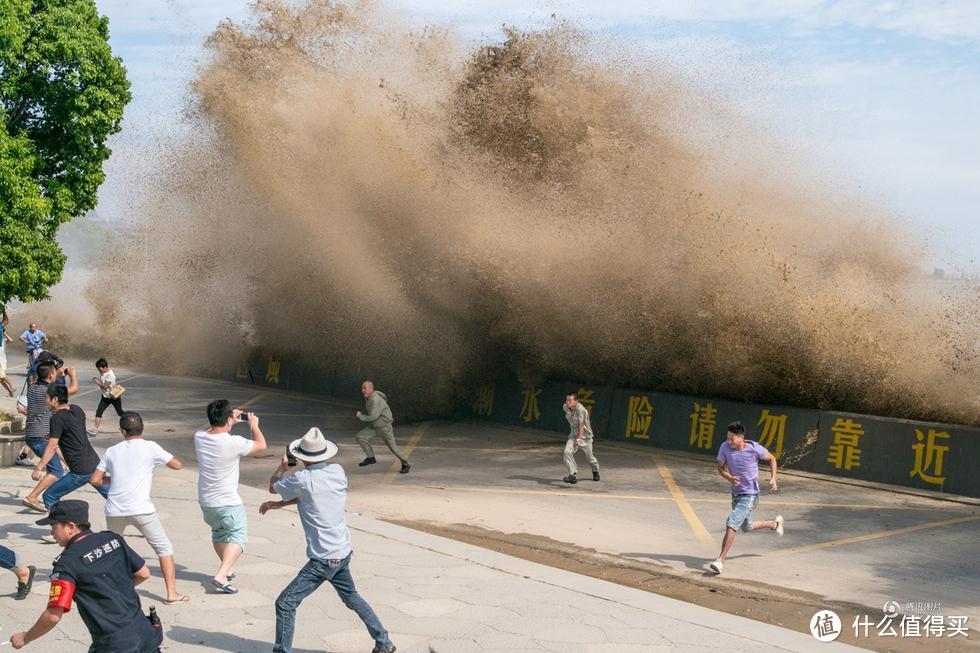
579,437
379,422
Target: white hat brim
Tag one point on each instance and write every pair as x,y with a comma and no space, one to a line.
316,457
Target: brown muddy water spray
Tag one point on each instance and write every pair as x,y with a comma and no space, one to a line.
370,201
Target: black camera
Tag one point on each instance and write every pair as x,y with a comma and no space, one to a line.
290,458
244,415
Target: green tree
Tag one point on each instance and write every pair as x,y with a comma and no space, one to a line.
62,94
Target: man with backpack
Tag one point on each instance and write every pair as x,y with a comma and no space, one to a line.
38,427
68,434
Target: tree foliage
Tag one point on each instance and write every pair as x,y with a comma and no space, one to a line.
62,94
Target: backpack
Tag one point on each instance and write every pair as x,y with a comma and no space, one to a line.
49,357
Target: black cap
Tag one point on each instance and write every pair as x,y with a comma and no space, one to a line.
67,510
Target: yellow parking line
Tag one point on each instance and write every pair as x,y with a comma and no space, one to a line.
245,405
252,400
640,497
853,506
700,531
298,396
465,450
489,490
263,415
873,536
577,493
315,415
407,450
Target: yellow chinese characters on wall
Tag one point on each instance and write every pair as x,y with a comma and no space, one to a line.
272,370
241,371
773,432
586,397
639,417
929,453
483,405
703,425
845,452
529,409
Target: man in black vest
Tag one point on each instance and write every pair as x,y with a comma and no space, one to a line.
99,572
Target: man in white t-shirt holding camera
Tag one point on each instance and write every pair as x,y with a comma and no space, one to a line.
218,453
127,468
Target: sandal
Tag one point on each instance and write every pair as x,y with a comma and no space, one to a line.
224,588
33,504
183,598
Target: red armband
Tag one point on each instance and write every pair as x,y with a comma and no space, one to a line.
61,595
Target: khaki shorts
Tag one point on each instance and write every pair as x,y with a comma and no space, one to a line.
149,526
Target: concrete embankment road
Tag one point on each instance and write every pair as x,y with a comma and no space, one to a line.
652,522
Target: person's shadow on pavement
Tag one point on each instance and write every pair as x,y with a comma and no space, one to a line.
222,641
551,482
691,562
28,530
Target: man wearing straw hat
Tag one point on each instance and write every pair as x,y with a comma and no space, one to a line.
320,492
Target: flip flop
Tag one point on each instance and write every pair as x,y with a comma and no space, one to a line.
35,505
183,598
224,588
232,576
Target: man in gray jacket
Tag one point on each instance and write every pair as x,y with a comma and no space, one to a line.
579,438
379,422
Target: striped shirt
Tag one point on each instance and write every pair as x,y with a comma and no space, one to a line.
38,413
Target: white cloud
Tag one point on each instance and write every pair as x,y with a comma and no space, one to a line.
929,19
172,17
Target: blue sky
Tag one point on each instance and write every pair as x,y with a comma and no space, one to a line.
880,96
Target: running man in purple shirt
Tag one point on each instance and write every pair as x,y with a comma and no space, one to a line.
738,463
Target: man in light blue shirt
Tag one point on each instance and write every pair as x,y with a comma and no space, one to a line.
320,492
35,339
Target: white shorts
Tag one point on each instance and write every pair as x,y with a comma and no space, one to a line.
149,526
3,362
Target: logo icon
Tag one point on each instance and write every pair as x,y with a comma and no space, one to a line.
825,626
891,609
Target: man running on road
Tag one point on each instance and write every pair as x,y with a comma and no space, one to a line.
380,421
738,463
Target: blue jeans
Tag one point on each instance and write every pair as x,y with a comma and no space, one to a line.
38,445
8,559
742,507
68,484
309,578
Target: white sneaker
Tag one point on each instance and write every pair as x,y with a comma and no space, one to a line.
49,539
25,462
779,525
717,566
